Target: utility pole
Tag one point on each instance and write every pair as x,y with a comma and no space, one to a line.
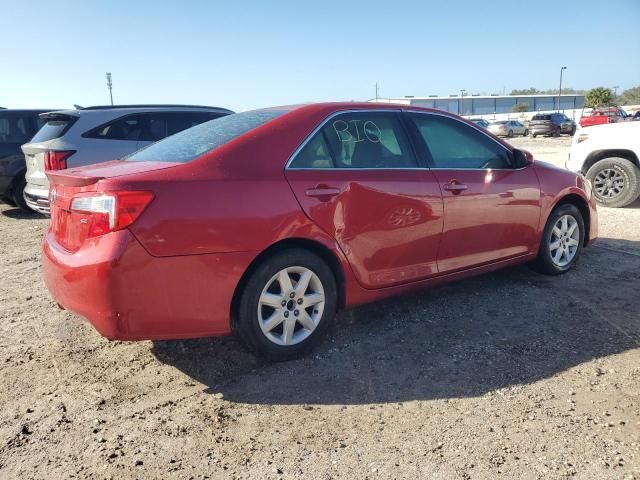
560,89
376,91
109,85
460,109
615,90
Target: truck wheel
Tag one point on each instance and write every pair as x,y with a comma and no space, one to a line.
526,132
616,182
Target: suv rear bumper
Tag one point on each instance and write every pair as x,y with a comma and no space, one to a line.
127,294
37,199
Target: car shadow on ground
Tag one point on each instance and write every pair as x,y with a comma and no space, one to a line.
19,214
465,339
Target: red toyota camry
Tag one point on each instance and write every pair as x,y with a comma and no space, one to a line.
265,223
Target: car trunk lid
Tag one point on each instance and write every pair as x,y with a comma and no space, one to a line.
72,226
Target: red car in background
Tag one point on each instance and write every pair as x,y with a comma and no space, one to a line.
265,223
600,116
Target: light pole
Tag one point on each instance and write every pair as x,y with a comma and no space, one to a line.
560,89
460,109
615,90
109,85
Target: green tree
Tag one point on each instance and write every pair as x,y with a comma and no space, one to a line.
599,97
520,107
631,96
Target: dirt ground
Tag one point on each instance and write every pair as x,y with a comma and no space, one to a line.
508,375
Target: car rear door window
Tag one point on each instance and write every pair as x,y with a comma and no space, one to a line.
451,144
129,127
364,140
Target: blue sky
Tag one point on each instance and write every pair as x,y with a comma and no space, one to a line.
245,54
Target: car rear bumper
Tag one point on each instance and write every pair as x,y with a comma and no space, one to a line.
127,294
37,199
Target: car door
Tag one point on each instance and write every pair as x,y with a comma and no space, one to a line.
491,207
357,177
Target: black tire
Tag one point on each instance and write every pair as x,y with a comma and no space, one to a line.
620,168
526,132
534,135
510,134
544,262
572,132
247,324
18,194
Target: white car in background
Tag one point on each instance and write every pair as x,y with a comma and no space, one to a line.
73,138
609,156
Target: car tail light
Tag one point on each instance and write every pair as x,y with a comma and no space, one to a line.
108,212
56,159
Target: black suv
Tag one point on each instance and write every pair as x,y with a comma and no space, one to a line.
16,128
552,124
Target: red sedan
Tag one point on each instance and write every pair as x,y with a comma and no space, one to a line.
265,223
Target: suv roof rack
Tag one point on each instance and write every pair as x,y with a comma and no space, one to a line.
159,105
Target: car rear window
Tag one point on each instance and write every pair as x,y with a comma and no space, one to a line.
193,142
15,127
541,117
56,126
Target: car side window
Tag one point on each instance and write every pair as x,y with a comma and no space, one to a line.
366,140
124,128
453,144
176,122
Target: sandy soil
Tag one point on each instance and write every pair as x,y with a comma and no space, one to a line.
508,375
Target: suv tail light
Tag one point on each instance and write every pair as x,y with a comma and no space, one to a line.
56,159
108,212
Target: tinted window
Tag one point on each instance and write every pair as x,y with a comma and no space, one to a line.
15,128
56,126
124,128
358,140
189,144
453,144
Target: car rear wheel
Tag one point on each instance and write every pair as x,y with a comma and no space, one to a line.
534,135
18,195
616,182
287,305
526,132
562,241
510,134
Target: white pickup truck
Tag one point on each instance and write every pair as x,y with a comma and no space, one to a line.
609,156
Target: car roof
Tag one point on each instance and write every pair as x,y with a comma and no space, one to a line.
123,109
26,110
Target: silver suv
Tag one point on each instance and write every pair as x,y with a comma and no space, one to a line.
72,138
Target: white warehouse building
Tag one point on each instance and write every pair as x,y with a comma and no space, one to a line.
495,106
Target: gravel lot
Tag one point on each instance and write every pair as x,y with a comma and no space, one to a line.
508,375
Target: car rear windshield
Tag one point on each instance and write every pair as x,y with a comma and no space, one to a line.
541,117
193,142
57,125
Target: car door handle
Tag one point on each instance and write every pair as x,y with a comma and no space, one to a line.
455,187
322,192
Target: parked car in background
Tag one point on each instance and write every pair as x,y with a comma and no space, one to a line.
16,127
72,138
264,223
609,156
601,116
553,124
481,122
508,128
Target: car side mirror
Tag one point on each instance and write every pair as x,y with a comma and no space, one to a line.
522,158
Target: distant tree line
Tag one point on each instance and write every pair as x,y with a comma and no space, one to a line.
596,97
550,91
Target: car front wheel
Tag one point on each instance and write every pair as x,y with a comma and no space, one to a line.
562,240
616,182
287,305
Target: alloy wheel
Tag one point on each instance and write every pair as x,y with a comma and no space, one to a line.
290,306
565,239
608,183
